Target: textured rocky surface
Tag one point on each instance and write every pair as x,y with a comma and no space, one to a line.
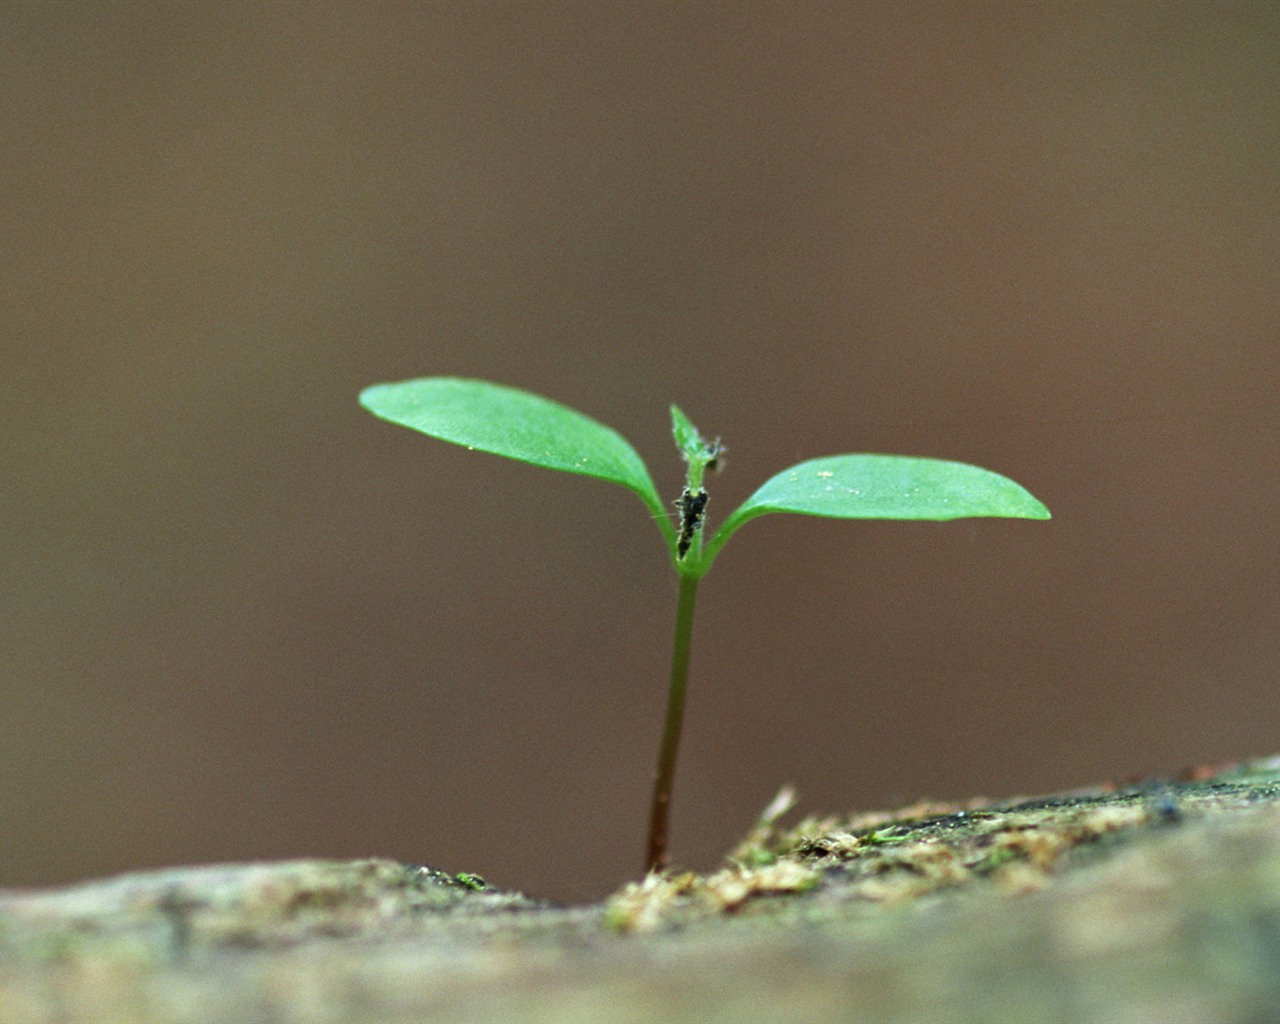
1158,901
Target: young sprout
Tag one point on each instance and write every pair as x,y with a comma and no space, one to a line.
519,425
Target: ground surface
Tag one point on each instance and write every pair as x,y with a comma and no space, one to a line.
1158,901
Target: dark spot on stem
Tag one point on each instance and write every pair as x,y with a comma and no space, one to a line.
692,508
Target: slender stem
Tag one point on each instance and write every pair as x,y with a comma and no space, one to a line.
665,777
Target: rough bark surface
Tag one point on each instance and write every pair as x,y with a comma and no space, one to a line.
1154,902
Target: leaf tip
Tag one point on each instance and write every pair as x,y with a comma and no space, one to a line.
1035,508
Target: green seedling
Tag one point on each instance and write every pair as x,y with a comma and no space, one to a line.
519,425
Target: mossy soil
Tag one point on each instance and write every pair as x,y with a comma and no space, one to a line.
1145,901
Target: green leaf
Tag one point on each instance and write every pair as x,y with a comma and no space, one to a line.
883,487
696,451
516,424
688,440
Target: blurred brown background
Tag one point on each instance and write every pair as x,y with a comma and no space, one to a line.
240,618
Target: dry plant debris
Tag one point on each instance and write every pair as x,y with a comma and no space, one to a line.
890,857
